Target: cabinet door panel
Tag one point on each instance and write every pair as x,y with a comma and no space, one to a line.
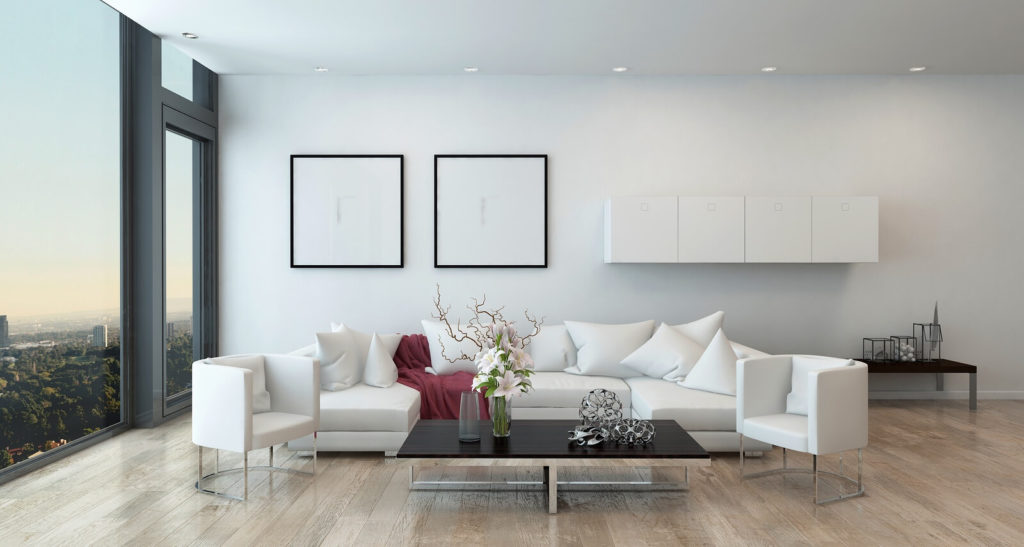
640,229
711,229
778,229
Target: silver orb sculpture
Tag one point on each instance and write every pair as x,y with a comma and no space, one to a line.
600,408
633,432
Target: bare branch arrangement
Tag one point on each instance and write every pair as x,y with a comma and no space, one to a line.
478,329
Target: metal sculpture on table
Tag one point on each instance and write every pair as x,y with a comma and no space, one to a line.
601,420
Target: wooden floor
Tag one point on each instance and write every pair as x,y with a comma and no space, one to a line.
935,474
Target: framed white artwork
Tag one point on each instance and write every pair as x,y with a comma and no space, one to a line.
346,211
490,211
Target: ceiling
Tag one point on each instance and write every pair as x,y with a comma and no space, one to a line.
589,37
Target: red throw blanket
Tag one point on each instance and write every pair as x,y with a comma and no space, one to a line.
439,395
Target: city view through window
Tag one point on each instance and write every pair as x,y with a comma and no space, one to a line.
60,324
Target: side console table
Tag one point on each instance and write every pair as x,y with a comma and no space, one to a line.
937,367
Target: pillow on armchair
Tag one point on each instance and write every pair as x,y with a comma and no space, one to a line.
802,365
260,395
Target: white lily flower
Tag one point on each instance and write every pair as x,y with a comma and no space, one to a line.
508,385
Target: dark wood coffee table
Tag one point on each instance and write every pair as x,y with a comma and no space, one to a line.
544,443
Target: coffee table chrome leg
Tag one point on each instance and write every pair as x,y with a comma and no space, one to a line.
973,401
412,477
551,474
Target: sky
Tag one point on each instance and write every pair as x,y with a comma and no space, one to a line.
60,161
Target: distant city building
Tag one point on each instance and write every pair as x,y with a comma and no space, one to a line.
170,330
99,336
5,333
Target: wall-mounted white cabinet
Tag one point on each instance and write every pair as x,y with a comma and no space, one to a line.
778,229
844,229
711,229
641,229
738,229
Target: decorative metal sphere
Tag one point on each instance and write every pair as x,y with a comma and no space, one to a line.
633,432
600,408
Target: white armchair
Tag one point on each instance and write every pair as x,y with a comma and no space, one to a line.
229,414
817,405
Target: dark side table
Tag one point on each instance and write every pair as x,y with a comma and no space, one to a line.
937,367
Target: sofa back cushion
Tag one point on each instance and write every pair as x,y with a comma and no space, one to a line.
437,334
602,347
340,360
552,349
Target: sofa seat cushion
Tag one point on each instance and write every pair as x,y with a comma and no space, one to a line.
367,408
694,410
561,389
785,430
270,428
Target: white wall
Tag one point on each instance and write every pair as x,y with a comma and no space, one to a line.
945,155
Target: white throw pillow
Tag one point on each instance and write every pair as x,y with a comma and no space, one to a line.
601,348
746,352
552,349
796,400
703,329
260,395
380,370
339,360
362,340
715,371
668,354
435,333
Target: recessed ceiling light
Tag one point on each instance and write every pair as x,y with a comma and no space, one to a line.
918,68
769,68
620,69
320,69
190,36
471,69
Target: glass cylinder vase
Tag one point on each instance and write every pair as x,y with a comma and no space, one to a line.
501,415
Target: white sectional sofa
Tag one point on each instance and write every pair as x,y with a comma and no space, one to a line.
365,418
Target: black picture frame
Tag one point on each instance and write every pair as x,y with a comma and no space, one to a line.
441,157
401,209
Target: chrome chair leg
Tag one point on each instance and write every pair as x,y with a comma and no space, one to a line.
245,475
784,466
741,456
216,461
814,470
314,452
271,455
200,466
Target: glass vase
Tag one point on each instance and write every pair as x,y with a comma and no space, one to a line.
501,415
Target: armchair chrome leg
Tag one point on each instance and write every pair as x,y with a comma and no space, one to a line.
198,480
216,461
741,457
816,472
814,469
245,475
271,455
314,452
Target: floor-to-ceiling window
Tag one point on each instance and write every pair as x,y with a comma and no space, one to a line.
60,225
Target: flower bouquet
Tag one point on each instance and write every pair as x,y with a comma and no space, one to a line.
503,372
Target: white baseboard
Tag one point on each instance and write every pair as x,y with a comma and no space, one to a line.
944,395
